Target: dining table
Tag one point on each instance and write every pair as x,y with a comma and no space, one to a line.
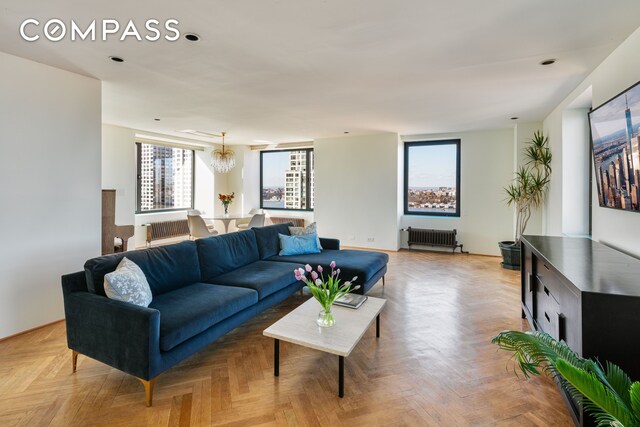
226,219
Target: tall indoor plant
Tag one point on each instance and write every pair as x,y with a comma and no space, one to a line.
527,193
607,393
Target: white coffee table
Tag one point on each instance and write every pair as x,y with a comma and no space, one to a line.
299,327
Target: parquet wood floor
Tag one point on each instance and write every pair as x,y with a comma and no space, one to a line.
433,365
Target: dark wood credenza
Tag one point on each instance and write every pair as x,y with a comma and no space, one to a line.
586,294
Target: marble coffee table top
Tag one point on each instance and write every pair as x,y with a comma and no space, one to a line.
299,326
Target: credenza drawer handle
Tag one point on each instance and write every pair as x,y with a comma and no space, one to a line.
546,291
547,317
545,266
561,327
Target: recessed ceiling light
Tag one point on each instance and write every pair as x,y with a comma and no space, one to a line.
515,118
157,120
192,37
346,131
548,62
116,59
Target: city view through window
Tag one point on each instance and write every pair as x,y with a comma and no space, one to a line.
432,178
287,179
165,178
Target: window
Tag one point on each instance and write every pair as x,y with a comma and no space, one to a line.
432,178
286,179
165,178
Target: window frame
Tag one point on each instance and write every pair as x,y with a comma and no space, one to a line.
139,180
407,146
307,179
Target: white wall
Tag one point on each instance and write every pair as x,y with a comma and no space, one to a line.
50,186
617,72
575,172
119,171
356,189
487,164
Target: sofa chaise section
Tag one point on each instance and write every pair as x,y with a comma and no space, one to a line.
368,266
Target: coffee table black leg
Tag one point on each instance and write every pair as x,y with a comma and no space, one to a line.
341,376
276,358
378,326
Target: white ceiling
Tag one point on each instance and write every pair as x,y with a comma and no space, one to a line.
294,70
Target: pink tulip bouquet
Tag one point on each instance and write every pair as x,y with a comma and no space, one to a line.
325,291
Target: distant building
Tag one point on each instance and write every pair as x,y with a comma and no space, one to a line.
295,196
166,177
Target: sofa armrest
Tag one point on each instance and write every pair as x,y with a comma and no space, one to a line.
122,335
327,243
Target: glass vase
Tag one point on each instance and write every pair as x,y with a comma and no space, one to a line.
325,318
226,209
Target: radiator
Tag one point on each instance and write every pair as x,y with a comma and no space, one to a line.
297,222
167,229
430,237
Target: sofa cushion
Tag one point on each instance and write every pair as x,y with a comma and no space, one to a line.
267,238
303,231
128,284
299,245
264,276
165,267
364,264
188,311
222,254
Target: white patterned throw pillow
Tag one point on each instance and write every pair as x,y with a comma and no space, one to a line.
128,284
303,231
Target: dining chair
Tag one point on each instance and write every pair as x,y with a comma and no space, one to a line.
243,223
256,221
198,228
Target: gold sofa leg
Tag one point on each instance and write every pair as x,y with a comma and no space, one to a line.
74,360
383,281
148,389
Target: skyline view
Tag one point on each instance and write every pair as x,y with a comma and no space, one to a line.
166,177
284,179
616,140
432,178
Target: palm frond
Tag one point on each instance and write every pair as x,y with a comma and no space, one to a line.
607,394
619,382
611,407
634,392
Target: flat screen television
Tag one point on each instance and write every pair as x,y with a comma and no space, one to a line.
615,140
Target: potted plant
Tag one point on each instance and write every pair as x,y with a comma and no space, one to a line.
527,193
607,393
325,291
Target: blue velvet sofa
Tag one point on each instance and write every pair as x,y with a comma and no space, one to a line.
201,290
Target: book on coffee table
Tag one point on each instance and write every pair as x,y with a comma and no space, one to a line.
351,300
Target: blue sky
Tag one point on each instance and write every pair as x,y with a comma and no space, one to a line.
432,166
429,166
273,167
611,117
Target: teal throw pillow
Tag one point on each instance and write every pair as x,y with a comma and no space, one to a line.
298,245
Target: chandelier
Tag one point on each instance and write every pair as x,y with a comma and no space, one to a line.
223,160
